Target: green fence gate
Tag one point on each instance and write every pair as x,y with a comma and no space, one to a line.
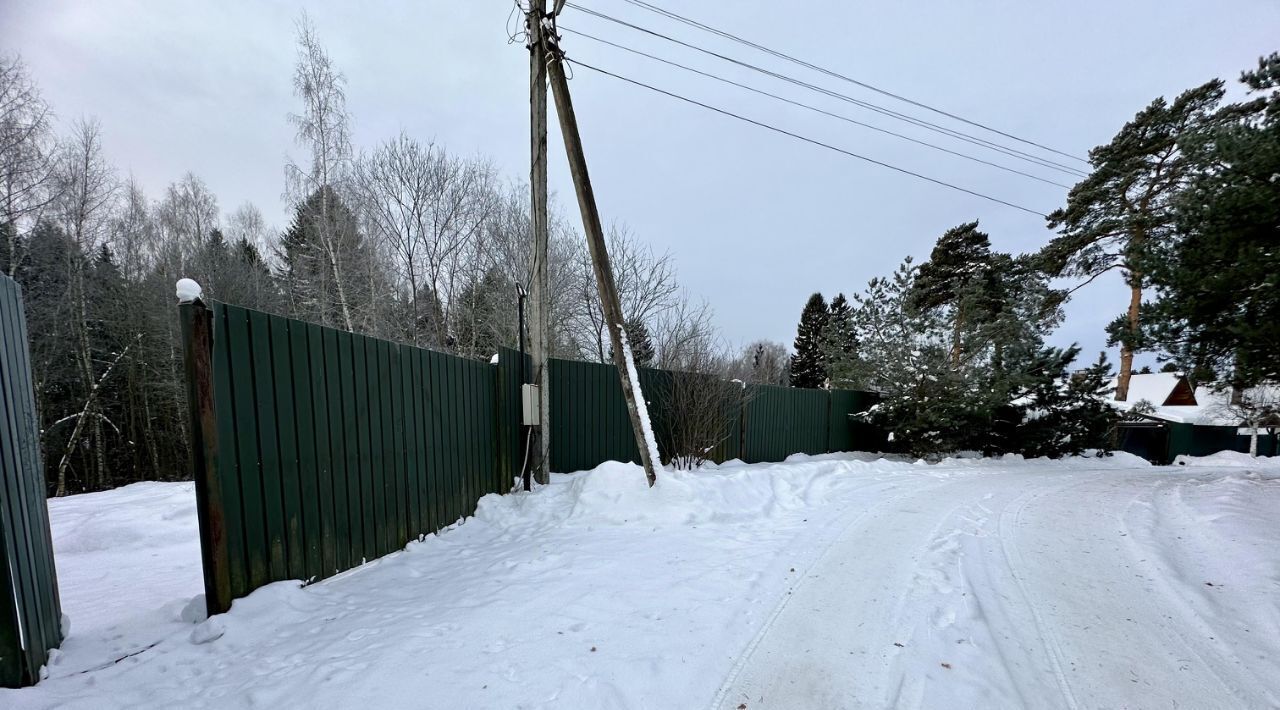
30,612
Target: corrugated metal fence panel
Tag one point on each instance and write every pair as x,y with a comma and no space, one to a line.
589,420
590,424
30,611
780,421
847,434
334,448
1201,440
512,436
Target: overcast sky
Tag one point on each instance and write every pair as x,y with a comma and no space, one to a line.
756,220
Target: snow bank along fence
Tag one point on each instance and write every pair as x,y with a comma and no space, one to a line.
1161,442
30,611
314,449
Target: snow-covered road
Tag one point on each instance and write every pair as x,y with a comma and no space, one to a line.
831,582
1047,589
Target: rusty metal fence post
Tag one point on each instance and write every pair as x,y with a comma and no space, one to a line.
197,346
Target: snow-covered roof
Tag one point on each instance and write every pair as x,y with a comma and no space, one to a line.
1212,407
1154,387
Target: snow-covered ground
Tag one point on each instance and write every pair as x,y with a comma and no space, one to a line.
826,582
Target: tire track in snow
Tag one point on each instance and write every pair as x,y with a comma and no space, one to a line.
899,611
1014,561
828,541
1177,601
1037,490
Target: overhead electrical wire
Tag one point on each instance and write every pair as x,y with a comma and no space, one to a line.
834,74
809,107
799,137
1012,152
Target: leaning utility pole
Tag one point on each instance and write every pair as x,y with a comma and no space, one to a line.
540,436
609,302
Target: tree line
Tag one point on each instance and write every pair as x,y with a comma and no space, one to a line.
402,240
1184,203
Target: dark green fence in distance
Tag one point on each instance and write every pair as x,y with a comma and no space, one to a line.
590,424
1161,442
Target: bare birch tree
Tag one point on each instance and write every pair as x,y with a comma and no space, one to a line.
247,224
1253,409
324,128
87,191
28,151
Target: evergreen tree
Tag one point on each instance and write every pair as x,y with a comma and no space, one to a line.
642,350
641,344
482,319
809,363
254,284
10,244
1065,414
321,254
957,352
1122,217
1219,306
840,343
959,277
429,329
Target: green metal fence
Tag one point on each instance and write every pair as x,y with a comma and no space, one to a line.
319,449
30,611
782,420
315,449
1161,442
589,422
1200,440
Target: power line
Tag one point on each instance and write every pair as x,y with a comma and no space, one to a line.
810,107
1012,152
806,139
782,55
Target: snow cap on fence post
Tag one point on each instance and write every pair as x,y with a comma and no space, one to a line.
189,291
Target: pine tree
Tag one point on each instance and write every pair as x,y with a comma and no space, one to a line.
10,244
642,350
808,364
1065,414
960,277
1219,306
429,329
957,352
1121,216
254,282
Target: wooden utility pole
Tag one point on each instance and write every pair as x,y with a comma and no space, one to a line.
539,444
609,302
